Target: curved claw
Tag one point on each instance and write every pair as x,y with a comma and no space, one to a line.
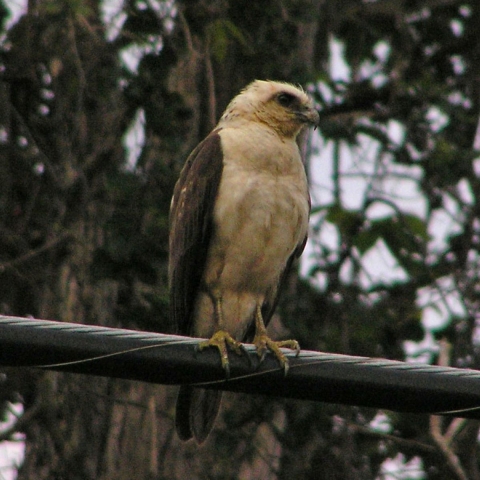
263,343
220,340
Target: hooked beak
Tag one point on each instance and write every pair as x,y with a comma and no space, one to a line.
309,115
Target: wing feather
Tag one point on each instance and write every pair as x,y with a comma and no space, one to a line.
191,227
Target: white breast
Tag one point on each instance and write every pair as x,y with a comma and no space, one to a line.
260,216
261,212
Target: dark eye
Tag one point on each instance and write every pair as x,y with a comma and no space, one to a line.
286,99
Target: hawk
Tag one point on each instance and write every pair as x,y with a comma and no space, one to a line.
239,217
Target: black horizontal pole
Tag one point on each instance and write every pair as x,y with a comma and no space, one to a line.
170,359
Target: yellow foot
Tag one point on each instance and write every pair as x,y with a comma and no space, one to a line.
263,343
220,340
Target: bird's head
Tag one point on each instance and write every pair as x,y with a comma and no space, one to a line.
282,106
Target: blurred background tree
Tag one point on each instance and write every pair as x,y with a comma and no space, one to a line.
101,102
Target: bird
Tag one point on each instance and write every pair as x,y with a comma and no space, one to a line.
238,219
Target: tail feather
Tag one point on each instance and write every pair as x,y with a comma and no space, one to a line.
182,415
196,412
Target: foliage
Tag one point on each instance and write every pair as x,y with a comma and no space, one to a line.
391,269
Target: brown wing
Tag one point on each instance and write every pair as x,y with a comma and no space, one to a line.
191,227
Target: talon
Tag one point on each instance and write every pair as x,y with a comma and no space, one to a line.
220,340
263,343
291,344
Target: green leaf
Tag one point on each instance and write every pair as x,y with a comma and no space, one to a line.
219,34
347,221
417,226
365,240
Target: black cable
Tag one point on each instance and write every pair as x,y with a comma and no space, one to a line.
170,359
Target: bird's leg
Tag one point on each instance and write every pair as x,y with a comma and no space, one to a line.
221,338
263,342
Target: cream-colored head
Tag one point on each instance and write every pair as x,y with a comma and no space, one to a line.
281,106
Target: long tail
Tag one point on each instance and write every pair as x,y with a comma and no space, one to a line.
196,412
